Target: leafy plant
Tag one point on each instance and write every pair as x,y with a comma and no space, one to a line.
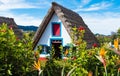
16,55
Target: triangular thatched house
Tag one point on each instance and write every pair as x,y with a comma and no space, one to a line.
55,28
11,22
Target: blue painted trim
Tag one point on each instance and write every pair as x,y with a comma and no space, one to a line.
60,29
43,45
56,39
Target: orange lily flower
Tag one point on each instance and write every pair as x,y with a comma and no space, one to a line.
116,45
102,52
90,73
37,65
101,56
102,59
66,52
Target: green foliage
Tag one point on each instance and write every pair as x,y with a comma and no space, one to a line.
81,60
118,33
103,39
86,61
16,56
54,67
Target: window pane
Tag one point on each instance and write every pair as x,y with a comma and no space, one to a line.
45,49
56,29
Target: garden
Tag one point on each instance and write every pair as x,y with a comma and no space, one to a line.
17,57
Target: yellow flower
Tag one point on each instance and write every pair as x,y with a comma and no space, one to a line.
118,62
74,28
37,65
66,52
116,43
90,73
102,52
77,42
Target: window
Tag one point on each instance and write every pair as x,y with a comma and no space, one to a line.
45,49
56,29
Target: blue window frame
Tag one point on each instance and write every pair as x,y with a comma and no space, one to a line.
56,39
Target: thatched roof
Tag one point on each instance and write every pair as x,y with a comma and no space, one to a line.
69,19
11,22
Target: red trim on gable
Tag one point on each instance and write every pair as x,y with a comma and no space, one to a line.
56,29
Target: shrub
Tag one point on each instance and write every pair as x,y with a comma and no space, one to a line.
16,55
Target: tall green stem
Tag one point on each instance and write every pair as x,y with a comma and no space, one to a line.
96,71
105,70
118,73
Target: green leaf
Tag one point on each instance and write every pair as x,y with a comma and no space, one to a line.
9,72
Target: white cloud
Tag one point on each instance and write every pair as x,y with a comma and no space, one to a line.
27,20
6,7
23,19
15,4
84,2
20,19
94,7
102,23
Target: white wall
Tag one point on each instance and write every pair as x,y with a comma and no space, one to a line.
47,35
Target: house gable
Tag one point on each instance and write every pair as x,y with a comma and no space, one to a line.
69,19
48,35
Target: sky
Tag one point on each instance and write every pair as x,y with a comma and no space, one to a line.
101,16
